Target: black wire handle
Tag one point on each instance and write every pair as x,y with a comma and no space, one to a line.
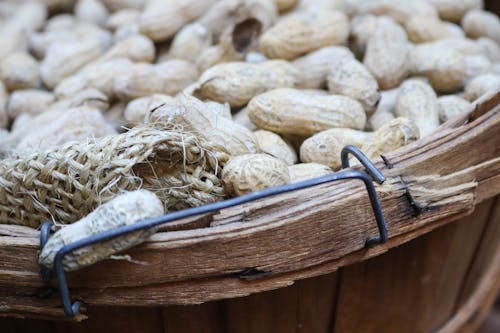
71,309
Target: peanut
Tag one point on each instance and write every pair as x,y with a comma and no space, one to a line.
291,111
480,85
189,42
303,32
422,29
454,10
4,117
350,78
19,70
397,133
207,120
161,19
314,67
241,118
237,82
444,67
399,11
92,11
479,23
30,101
304,171
386,55
418,102
385,109
272,144
138,109
451,106
123,210
168,77
252,172
325,147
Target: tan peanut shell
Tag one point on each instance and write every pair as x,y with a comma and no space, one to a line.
114,116
444,67
325,147
98,75
189,42
454,10
418,102
480,23
161,19
362,28
272,144
64,59
241,118
304,171
291,111
489,47
422,29
314,67
14,32
168,77
209,120
303,32
137,109
480,85
76,124
385,111
19,70
399,11
350,78
476,65
122,18
451,105
397,133
91,11
229,14
386,55
29,101
125,209
252,172
137,48
91,98
237,82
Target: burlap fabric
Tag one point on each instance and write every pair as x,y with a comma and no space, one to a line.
66,183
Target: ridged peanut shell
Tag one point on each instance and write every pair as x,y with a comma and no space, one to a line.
386,55
385,111
393,135
19,70
418,102
29,101
252,172
304,171
314,67
480,85
422,29
291,111
304,31
454,10
237,82
123,210
272,144
325,147
189,42
350,78
480,23
450,106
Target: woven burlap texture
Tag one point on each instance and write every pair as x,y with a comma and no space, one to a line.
65,183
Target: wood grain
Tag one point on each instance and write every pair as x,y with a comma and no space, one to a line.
412,288
284,238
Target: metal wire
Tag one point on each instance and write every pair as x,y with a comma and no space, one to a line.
72,309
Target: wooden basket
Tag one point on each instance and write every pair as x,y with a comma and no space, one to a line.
437,276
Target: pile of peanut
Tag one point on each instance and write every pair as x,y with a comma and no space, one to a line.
282,84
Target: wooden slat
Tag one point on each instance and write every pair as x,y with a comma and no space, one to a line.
412,288
304,307
483,281
201,318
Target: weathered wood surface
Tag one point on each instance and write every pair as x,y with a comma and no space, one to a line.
282,239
